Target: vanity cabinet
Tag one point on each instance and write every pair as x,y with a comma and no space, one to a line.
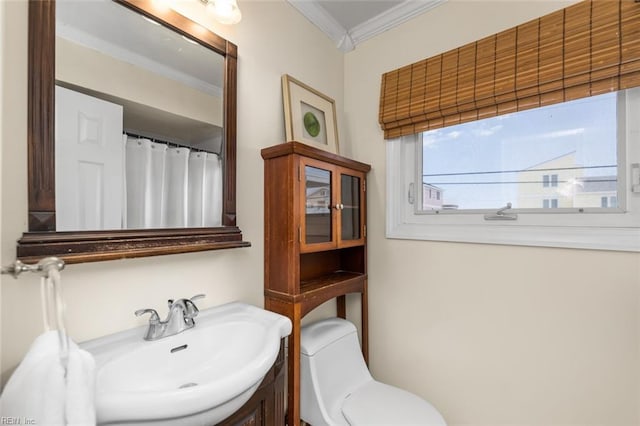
315,241
266,406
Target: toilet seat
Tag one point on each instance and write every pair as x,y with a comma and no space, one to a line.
379,404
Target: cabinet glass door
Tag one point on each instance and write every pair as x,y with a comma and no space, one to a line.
318,222
349,207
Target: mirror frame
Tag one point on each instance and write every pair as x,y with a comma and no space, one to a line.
86,246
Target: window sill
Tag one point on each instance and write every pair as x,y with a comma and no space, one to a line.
617,239
609,231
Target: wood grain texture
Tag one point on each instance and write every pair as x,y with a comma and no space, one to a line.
586,49
300,276
266,406
229,139
93,246
74,247
294,147
41,116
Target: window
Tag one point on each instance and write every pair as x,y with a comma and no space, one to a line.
562,169
547,180
550,203
564,154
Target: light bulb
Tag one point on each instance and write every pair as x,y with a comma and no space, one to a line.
225,11
162,5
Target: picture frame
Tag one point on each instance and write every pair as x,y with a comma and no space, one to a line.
310,116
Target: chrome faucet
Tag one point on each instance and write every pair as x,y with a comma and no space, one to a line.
180,318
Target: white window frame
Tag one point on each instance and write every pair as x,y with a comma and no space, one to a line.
589,228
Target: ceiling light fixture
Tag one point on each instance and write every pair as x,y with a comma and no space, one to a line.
224,11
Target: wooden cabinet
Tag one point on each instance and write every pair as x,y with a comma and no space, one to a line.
266,406
331,206
315,240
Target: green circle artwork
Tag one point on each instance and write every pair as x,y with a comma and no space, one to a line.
311,124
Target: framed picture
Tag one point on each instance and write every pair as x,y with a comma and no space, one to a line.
309,116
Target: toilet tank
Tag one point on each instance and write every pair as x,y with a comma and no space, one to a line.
331,367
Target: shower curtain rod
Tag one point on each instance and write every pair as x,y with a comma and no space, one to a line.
170,144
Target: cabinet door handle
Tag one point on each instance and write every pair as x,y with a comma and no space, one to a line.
339,206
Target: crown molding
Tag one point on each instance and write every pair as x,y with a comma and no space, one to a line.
347,40
391,18
318,16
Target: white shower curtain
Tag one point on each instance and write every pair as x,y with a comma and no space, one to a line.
197,161
213,191
176,178
136,178
170,187
155,184
205,190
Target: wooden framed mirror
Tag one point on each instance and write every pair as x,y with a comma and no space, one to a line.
43,237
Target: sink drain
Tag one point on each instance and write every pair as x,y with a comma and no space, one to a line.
188,385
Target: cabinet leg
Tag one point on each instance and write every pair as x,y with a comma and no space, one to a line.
341,306
293,406
364,297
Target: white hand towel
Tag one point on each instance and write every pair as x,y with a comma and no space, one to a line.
38,390
80,397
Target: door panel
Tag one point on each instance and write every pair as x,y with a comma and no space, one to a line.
317,205
349,207
317,227
89,162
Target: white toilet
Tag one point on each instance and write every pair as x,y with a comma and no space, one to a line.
336,387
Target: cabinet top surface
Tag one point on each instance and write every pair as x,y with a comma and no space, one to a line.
290,148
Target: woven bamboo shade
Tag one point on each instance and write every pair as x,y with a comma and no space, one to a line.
589,48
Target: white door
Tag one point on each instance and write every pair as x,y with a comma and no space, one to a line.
89,162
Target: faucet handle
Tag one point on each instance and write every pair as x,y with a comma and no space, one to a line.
153,319
192,309
198,296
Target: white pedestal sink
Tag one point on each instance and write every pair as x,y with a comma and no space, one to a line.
197,377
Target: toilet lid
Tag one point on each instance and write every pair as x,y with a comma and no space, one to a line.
378,404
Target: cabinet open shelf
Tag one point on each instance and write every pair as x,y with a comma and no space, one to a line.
316,291
335,279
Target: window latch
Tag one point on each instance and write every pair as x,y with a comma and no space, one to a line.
501,215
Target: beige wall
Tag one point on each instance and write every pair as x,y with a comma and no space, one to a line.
77,64
273,39
492,335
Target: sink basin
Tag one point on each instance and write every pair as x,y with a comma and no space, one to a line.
200,376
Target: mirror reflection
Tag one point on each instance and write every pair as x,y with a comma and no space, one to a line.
317,205
349,207
139,117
